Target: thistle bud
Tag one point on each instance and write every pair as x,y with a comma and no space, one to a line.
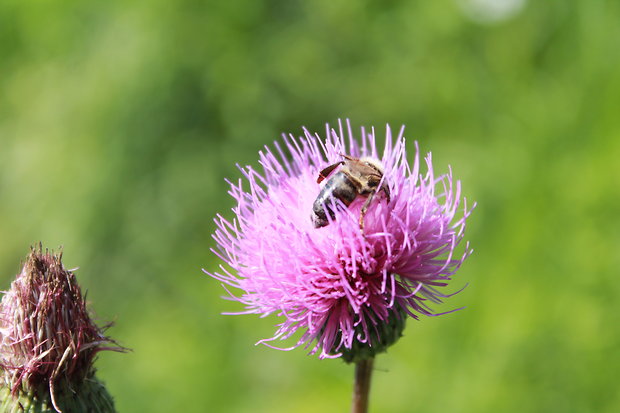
48,342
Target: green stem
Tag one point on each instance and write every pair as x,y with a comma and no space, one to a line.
361,388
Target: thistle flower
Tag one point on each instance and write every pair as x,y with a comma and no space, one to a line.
48,342
342,290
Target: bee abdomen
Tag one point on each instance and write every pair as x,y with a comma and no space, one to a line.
338,186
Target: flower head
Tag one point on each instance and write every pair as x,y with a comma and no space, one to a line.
47,338
346,286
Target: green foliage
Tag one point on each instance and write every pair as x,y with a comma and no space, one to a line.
120,120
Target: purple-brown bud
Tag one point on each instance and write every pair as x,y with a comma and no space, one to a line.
47,338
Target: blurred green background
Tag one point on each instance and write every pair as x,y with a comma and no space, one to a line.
120,120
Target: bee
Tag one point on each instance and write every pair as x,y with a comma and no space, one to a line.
356,177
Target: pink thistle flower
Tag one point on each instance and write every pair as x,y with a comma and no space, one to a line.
344,290
48,341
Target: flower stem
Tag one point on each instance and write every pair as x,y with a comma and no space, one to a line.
361,388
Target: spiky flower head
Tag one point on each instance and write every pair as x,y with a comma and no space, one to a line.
48,341
343,290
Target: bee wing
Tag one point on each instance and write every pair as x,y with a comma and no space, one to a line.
327,171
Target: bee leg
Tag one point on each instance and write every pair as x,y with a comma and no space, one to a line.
365,209
386,190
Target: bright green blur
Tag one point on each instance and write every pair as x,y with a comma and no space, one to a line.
120,120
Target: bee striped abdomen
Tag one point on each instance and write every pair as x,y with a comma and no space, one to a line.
339,186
